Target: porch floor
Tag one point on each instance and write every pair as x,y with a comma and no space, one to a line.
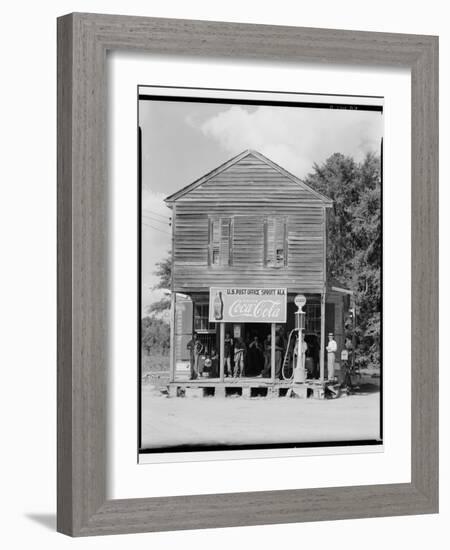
246,387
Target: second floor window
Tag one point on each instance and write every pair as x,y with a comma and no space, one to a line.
245,240
275,242
220,241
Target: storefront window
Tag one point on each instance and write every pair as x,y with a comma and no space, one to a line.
201,318
313,318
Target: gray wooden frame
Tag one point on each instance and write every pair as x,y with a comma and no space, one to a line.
83,40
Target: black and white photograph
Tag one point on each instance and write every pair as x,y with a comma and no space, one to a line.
223,224
260,276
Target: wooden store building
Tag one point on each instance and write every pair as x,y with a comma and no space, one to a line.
247,238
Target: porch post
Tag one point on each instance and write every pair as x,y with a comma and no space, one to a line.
322,336
173,352
272,352
222,352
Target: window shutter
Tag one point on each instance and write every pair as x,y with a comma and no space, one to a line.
220,247
225,241
270,247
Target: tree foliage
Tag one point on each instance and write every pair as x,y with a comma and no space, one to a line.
155,335
164,272
155,328
160,306
354,239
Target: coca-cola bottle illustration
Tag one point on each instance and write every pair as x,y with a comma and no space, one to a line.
218,307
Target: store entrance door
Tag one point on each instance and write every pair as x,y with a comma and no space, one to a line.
257,347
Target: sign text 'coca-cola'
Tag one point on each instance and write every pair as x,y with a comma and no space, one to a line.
247,305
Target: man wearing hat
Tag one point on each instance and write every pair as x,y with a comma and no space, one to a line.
331,350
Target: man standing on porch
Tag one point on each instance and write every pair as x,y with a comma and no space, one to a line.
331,350
195,348
239,351
228,351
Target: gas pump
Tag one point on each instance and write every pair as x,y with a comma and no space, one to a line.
299,368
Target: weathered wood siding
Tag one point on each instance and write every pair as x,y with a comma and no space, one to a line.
249,192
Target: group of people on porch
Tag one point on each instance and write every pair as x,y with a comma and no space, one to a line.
253,358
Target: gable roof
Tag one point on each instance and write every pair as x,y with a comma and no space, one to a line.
249,152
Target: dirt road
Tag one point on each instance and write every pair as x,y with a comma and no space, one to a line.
238,421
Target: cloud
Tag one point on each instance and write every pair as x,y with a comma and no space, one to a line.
295,138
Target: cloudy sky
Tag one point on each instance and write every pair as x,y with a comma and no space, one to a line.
182,141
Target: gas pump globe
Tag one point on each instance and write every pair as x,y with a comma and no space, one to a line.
299,368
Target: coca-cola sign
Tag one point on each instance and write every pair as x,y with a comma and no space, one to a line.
247,305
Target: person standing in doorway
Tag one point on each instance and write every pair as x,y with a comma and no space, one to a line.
228,353
279,351
239,351
267,351
331,350
255,358
214,373
283,338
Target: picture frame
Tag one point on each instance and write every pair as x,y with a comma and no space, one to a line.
83,40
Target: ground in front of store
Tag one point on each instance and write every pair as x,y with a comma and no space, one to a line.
168,422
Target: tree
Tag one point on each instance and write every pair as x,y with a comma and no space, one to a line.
164,272
155,335
155,330
354,239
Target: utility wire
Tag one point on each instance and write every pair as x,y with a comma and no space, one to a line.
156,228
165,222
156,214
